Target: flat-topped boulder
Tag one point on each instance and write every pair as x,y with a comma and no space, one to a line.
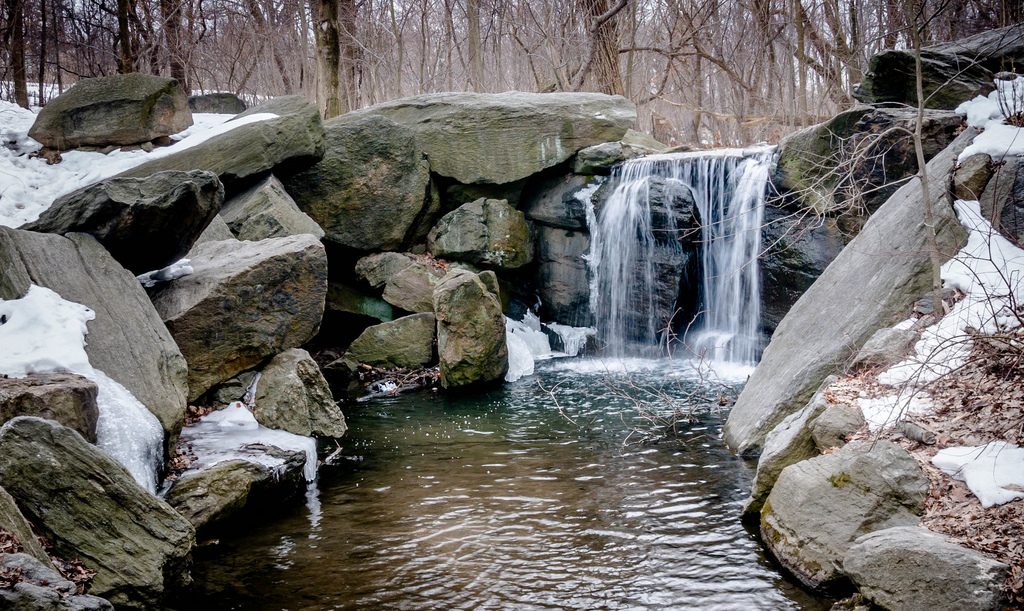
371,185
89,507
289,140
406,343
145,223
244,302
127,339
504,137
217,103
265,210
118,110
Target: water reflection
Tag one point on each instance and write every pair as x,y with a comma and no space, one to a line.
497,501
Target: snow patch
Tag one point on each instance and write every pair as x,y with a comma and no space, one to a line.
28,186
43,333
885,411
224,434
173,271
998,140
994,472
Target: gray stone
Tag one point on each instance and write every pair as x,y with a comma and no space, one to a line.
210,498
972,176
470,331
504,137
600,158
15,523
487,232
216,103
117,110
818,507
65,397
1002,201
796,250
127,340
293,140
292,395
233,389
369,188
412,288
885,347
89,507
266,211
216,231
913,569
144,223
406,343
871,284
952,72
347,299
377,268
41,588
560,201
831,428
788,443
563,282
244,302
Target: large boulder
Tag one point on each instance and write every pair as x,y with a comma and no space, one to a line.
65,397
796,249
1002,201
885,347
127,339
504,137
834,425
856,160
286,143
217,103
89,507
117,110
144,223
408,287
908,568
212,498
39,587
487,232
292,395
470,331
818,507
378,268
406,343
952,72
12,521
788,443
266,210
244,302
371,185
563,282
871,284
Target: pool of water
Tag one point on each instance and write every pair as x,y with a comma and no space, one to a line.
530,496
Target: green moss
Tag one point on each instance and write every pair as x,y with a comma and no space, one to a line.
840,480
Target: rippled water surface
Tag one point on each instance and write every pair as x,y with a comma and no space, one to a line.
498,501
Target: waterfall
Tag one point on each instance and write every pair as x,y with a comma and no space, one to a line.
663,211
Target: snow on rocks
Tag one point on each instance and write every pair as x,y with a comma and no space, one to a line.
42,333
28,185
227,433
998,140
994,472
178,269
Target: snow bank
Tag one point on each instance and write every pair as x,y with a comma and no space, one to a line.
28,185
994,472
998,140
989,270
41,333
885,411
224,434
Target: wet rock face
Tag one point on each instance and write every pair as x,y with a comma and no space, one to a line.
818,507
563,281
487,232
292,395
470,331
117,110
244,302
89,507
66,398
145,223
918,570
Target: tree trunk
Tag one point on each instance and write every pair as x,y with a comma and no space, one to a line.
125,61
42,51
604,47
328,57
16,21
170,12
349,54
476,60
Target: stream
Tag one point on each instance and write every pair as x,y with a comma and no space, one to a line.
513,498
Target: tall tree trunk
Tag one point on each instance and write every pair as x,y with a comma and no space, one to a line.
16,21
603,58
125,60
328,57
476,59
801,50
42,51
170,12
348,11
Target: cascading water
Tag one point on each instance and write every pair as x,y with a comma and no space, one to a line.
636,240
